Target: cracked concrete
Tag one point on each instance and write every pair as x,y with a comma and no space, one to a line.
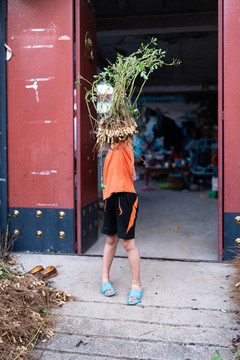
186,311
172,225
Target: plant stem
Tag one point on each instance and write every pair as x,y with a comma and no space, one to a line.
6,270
121,76
34,337
6,237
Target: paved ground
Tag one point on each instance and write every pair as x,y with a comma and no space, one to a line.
173,225
186,311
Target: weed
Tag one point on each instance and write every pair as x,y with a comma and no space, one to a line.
5,272
31,345
219,357
7,242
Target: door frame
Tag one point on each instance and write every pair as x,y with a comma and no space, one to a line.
86,161
220,129
3,123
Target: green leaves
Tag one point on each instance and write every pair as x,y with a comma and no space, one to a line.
140,67
121,77
123,73
219,357
144,75
133,111
118,80
5,272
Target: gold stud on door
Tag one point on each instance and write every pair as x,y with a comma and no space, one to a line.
237,241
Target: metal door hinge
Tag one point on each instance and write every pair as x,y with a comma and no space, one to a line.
9,52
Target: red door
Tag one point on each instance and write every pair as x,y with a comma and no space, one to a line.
40,124
86,65
229,123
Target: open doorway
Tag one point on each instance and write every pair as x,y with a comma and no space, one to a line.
178,132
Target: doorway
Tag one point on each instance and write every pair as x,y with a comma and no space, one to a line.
183,223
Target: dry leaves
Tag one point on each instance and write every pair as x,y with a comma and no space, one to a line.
25,305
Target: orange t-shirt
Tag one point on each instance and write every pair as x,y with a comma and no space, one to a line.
118,170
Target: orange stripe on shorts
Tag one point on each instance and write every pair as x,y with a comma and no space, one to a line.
133,215
119,205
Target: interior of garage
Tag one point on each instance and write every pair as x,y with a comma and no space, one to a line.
178,125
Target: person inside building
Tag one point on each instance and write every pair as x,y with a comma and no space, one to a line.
120,213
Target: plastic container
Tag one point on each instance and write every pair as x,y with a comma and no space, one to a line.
175,182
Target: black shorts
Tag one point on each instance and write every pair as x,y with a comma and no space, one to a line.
120,214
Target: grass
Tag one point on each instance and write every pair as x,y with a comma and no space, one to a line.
218,356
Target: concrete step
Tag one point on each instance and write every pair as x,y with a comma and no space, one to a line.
53,355
166,283
179,316
69,347
138,331
149,314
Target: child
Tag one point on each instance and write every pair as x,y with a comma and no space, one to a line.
120,212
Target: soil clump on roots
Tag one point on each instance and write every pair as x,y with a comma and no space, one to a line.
112,131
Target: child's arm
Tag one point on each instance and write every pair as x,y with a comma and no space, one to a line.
133,168
134,173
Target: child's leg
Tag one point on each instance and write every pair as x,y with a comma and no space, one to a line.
108,255
134,262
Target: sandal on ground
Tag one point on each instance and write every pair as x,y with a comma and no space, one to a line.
47,273
108,286
35,270
134,293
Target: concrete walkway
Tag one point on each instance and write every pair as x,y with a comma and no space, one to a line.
172,225
186,311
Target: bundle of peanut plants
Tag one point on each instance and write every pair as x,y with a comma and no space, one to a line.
25,312
119,123
25,306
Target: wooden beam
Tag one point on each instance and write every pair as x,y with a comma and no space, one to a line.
172,89
157,24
